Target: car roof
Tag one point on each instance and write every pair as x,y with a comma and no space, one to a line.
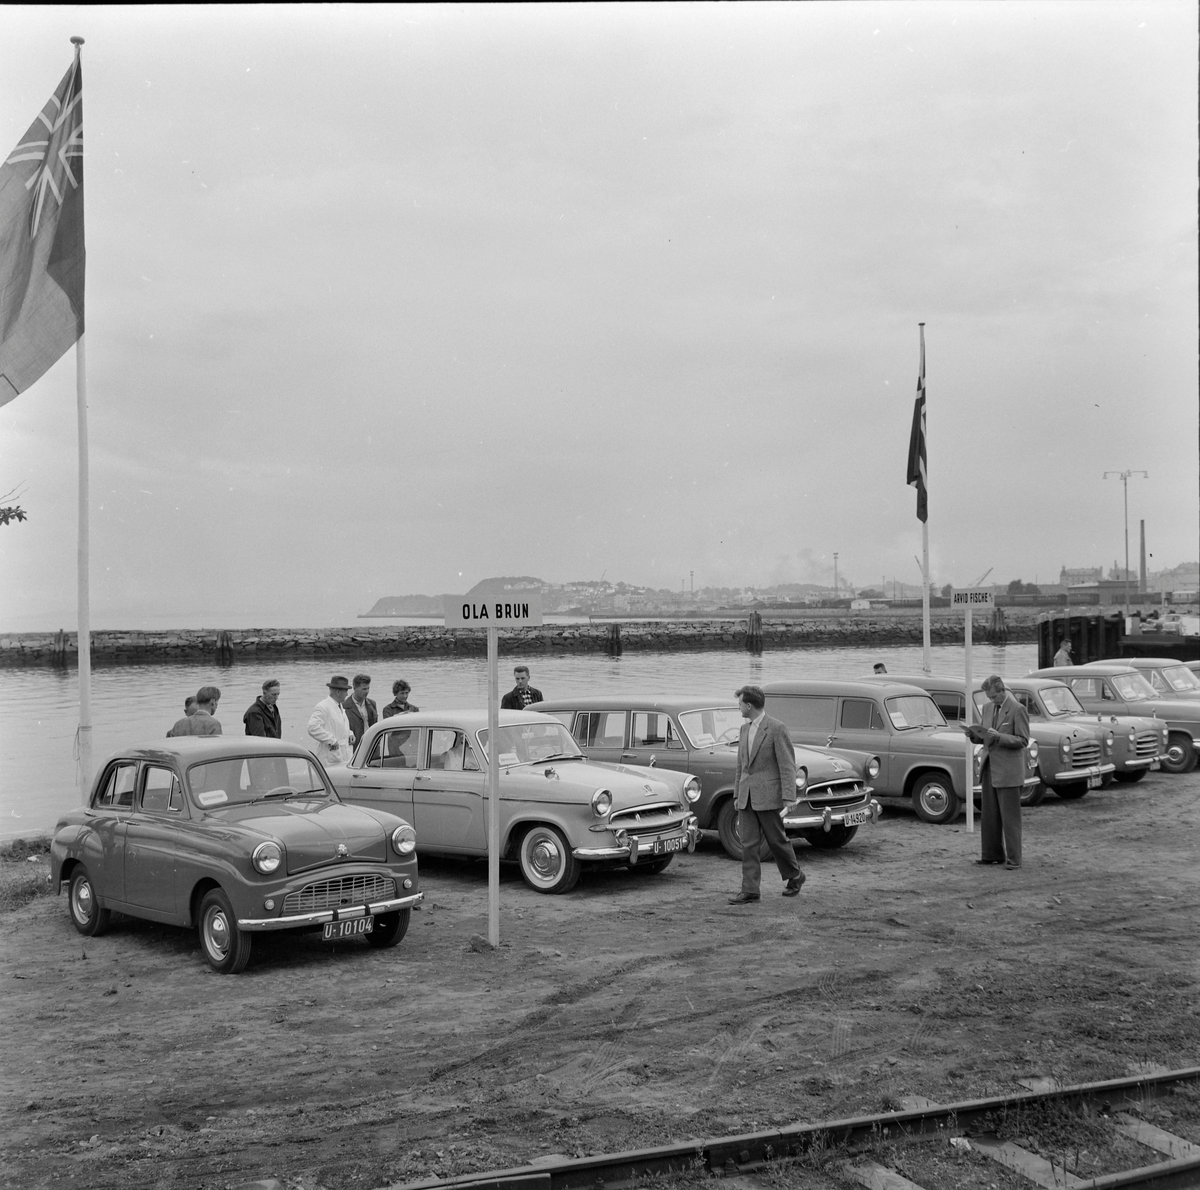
190,749
638,702
867,687
1144,662
957,683
1090,670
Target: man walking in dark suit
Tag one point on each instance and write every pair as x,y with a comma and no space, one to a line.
1005,734
262,716
360,710
765,778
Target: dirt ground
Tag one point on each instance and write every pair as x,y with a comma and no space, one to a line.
638,1010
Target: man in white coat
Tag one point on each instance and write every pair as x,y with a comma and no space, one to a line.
329,726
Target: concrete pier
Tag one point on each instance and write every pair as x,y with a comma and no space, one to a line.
225,646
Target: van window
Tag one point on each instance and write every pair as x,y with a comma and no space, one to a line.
803,712
860,714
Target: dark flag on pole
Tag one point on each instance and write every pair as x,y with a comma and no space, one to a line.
41,240
917,474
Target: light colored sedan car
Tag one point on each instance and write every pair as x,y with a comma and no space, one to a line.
558,810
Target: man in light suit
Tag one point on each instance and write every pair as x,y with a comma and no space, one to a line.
1005,734
765,778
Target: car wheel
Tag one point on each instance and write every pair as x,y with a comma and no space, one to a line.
727,831
1034,795
1132,777
828,840
389,929
546,860
1072,792
1180,756
654,866
86,915
226,948
934,799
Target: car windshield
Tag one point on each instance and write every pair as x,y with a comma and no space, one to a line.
239,780
528,743
712,726
1181,679
913,710
1132,687
1060,700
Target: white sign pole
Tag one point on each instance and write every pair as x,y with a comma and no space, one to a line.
493,606
968,598
969,710
493,786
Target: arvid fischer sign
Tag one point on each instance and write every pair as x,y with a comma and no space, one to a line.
494,607
971,597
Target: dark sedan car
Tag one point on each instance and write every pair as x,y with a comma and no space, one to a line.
233,836
699,736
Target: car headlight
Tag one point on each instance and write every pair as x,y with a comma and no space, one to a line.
691,789
1109,740
601,802
267,857
1166,737
1065,746
873,767
801,778
404,840
1033,751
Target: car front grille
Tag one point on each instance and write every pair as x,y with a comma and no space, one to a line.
834,794
339,893
1146,744
1085,754
656,817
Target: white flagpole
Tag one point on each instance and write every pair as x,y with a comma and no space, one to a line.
83,737
925,522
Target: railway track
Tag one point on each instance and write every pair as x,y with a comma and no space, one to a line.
976,1121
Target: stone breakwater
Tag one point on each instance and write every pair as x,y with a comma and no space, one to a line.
113,647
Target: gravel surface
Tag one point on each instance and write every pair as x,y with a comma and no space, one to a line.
638,1010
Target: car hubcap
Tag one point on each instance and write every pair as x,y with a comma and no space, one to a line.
935,799
218,933
83,900
1175,754
545,857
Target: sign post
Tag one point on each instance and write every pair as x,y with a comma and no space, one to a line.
493,607
968,598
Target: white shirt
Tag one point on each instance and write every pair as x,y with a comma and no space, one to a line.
754,724
329,726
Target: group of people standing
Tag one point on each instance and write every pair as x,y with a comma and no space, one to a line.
338,722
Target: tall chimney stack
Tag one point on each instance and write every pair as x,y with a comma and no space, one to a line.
1142,572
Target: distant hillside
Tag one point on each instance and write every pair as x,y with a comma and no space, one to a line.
433,605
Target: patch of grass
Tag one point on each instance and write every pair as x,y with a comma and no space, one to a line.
24,872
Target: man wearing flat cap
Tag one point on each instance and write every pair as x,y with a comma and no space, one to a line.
329,726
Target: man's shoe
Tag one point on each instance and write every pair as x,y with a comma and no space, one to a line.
744,898
1010,867
792,887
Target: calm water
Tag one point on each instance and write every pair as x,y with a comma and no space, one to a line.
39,707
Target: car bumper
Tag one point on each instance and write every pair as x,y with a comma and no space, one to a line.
1093,770
1140,762
630,846
320,916
828,818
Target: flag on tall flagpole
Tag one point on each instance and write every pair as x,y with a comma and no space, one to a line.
917,473
41,240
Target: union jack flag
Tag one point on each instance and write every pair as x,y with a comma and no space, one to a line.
917,473
41,240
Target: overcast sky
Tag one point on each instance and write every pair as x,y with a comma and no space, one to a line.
388,300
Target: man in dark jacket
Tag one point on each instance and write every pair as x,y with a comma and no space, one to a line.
360,710
263,716
400,704
522,694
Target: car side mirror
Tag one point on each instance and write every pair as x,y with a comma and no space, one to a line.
653,758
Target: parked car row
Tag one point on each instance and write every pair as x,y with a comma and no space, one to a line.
239,836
